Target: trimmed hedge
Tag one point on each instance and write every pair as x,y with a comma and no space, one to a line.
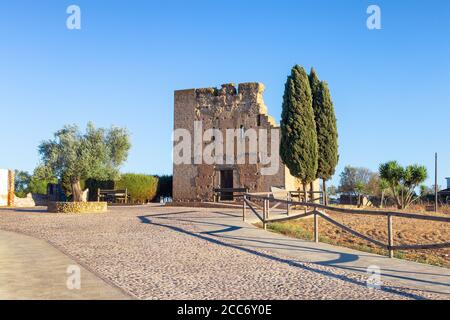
141,188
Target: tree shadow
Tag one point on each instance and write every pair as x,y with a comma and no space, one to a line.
30,210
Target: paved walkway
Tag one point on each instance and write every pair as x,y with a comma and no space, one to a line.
405,273
33,269
157,252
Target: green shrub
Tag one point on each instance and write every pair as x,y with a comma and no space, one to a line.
141,188
38,186
21,182
25,183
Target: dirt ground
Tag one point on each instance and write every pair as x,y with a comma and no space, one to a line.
406,231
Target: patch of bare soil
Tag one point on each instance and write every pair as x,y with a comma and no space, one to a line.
406,231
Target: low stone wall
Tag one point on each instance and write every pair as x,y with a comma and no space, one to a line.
77,207
26,202
31,200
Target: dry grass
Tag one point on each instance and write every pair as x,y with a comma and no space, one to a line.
406,231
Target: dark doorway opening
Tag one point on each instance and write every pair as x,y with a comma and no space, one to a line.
226,181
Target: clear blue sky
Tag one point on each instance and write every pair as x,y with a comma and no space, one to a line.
391,87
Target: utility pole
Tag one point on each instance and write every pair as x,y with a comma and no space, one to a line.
435,183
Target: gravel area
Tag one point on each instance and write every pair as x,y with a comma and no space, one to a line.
157,253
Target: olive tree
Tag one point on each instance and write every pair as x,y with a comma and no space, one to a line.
97,153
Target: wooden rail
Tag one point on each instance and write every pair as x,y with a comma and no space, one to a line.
231,192
312,208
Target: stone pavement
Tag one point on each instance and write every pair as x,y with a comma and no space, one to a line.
230,227
33,269
159,252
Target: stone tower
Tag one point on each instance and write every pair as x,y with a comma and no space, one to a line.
240,108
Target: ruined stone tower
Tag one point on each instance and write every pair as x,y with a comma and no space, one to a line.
225,108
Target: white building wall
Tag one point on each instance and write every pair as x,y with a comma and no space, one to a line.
3,187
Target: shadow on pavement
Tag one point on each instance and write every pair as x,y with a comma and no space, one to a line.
146,220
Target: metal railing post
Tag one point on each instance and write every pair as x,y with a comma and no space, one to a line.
390,236
288,199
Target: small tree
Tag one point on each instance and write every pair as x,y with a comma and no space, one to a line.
354,181
21,182
35,183
332,190
373,185
326,130
384,186
403,181
377,187
426,191
298,148
96,154
41,177
361,191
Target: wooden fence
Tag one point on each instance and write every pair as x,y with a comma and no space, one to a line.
314,209
233,193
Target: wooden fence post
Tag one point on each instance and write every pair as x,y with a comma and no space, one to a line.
288,199
390,236
264,214
316,226
244,208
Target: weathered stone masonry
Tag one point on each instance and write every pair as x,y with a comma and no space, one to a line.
6,187
224,108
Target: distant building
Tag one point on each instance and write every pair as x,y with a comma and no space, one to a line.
444,195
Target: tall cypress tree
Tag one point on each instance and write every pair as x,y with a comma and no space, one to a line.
314,83
298,148
327,136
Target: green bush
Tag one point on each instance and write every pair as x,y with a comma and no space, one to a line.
25,183
21,182
38,186
141,188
